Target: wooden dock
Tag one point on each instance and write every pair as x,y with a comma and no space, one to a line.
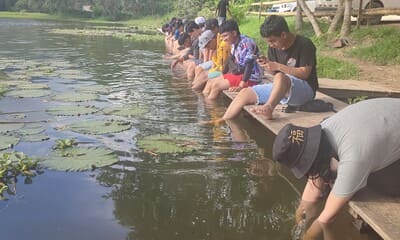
380,212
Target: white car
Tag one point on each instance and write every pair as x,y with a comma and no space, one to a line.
291,6
324,5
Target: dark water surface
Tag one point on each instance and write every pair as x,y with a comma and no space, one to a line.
226,190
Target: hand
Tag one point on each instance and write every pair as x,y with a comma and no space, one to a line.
179,60
262,59
235,89
272,66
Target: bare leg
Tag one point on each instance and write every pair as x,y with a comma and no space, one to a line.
207,88
190,70
280,89
200,80
217,87
245,97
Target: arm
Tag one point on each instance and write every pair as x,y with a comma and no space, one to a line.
332,207
299,72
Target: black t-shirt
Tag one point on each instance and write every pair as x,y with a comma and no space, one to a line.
222,6
301,54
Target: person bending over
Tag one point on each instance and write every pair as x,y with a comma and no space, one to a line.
348,151
292,61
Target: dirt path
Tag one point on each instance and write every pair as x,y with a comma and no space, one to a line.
385,76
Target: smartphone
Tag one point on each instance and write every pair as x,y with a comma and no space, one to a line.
262,59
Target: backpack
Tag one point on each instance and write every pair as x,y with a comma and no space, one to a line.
315,105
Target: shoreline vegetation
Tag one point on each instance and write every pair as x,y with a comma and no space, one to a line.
332,63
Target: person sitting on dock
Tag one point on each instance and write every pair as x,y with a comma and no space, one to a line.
348,151
205,72
192,58
291,60
241,69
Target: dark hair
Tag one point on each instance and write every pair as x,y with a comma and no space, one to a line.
273,26
182,38
229,26
322,163
178,24
211,24
190,26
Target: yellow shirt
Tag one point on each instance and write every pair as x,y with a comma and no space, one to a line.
222,54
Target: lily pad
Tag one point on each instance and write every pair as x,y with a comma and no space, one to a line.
126,111
75,74
30,85
75,97
72,110
80,159
99,127
30,129
28,93
3,88
7,141
167,144
93,89
35,138
9,127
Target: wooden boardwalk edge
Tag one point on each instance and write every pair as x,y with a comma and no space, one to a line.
381,213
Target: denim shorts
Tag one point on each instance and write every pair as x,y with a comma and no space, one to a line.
214,74
300,92
206,65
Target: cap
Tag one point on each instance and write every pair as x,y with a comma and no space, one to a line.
205,37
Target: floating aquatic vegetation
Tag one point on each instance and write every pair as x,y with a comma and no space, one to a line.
64,143
35,138
30,85
72,74
159,144
30,129
72,110
7,141
75,97
101,89
135,36
97,127
28,93
9,127
32,133
3,88
13,164
126,111
80,158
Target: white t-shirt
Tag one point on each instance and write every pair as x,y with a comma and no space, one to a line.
366,137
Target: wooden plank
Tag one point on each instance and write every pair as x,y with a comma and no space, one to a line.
305,119
381,213
344,89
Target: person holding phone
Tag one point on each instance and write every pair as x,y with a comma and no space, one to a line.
292,62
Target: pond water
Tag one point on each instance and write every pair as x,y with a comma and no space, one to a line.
226,189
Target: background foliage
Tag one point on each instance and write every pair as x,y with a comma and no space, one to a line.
119,9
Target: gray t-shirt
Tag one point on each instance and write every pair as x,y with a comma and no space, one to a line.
366,137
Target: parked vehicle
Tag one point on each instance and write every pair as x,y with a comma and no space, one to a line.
291,6
327,5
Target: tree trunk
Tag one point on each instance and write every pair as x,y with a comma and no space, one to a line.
310,17
337,18
346,27
299,18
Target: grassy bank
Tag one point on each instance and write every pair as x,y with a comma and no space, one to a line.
147,22
376,44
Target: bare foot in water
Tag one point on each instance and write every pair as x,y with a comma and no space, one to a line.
265,110
215,122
